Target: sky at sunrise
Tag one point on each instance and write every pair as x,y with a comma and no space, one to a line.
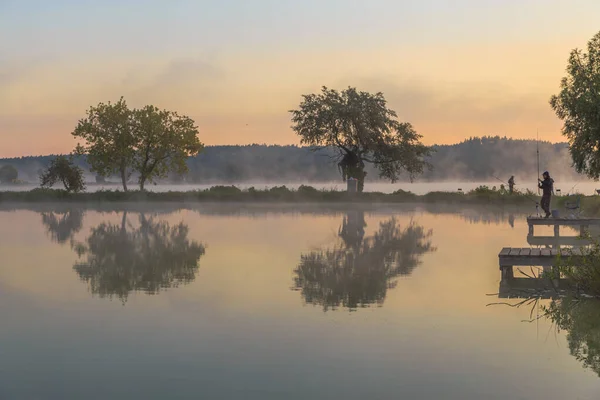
454,69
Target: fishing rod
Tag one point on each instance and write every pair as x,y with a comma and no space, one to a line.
522,194
537,143
494,176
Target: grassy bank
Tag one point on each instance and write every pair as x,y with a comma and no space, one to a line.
304,194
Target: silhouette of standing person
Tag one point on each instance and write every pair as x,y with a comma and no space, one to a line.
547,186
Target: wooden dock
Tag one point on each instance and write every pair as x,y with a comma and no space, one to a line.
582,223
510,257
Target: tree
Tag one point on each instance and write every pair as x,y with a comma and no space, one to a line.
109,142
163,142
578,105
63,169
154,256
363,129
358,271
148,141
8,174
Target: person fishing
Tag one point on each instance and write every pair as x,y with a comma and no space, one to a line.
547,186
511,184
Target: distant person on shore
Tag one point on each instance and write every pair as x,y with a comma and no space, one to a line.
511,184
547,186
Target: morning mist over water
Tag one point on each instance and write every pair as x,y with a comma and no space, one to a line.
358,293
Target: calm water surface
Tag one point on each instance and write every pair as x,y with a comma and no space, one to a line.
270,303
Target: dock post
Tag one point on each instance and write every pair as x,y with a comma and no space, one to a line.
507,272
557,230
547,269
530,229
583,230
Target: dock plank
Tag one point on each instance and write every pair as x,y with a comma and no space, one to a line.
511,257
545,252
515,251
504,252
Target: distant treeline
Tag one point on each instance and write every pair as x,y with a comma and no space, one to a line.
475,159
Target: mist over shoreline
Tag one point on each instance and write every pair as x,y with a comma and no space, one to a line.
486,159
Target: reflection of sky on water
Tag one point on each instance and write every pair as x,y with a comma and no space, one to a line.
238,331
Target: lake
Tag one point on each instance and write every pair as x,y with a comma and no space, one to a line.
271,302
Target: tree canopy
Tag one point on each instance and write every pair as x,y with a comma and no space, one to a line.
108,139
163,142
578,105
149,141
64,170
8,174
363,129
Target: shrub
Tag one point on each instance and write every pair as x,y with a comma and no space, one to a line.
309,190
63,169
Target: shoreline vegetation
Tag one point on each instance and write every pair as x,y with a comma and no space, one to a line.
304,194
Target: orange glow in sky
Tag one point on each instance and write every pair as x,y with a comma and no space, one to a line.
476,68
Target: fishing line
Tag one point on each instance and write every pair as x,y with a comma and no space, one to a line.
573,187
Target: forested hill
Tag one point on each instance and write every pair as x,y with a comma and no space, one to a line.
473,159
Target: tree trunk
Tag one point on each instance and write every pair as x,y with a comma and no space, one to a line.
361,180
358,172
142,182
124,178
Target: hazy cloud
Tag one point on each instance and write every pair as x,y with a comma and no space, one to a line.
457,110
190,79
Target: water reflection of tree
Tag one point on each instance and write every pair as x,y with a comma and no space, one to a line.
352,230
581,320
119,259
358,271
62,226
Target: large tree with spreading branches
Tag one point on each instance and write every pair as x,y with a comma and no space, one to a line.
578,105
363,130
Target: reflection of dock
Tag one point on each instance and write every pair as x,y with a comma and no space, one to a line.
582,223
510,257
523,288
557,241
